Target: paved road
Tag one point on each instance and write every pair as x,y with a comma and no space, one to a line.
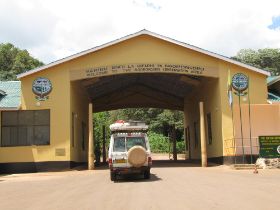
172,186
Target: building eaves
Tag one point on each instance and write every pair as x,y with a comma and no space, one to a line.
143,32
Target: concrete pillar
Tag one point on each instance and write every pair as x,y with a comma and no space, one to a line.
90,139
174,141
202,136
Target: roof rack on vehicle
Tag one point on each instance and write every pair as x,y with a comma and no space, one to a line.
128,127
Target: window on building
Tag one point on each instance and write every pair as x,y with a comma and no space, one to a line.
187,133
83,135
188,146
195,134
25,128
73,129
209,128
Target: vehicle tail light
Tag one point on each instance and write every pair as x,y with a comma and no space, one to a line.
110,162
150,160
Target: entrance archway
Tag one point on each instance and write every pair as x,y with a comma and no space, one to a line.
156,90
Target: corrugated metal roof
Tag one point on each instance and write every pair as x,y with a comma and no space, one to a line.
272,79
273,97
10,99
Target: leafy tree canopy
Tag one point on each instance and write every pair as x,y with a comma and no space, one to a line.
159,120
267,59
14,61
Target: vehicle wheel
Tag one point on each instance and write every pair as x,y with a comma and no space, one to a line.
147,174
113,176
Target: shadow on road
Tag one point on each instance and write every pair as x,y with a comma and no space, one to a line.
136,178
156,164
175,164
2,176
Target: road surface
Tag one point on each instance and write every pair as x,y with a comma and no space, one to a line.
172,186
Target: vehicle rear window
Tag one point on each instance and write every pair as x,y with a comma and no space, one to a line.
135,141
119,144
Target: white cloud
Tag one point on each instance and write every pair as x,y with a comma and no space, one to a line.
54,29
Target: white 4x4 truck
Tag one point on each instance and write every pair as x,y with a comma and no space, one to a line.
129,150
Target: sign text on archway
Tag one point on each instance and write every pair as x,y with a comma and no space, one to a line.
142,68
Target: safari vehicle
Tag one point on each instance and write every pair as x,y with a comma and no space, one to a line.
129,150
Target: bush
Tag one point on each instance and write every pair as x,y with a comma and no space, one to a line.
181,147
160,143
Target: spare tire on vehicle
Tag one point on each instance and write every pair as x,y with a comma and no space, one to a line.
137,156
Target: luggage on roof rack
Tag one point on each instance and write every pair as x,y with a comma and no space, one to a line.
130,126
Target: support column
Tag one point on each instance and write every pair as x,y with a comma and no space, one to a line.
174,141
202,136
90,139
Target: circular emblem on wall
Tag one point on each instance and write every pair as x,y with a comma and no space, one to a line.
240,82
41,87
278,149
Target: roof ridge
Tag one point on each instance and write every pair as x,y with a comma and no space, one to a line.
139,33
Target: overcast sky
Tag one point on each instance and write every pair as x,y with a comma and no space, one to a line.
53,29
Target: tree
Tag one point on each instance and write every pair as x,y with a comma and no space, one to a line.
148,115
159,120
100,119
14,61
267,59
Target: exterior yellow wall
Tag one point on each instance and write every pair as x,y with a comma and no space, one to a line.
79,106
58,102
208,93
258,95
265,121
214,95
142,49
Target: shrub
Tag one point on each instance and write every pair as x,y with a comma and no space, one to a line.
160,143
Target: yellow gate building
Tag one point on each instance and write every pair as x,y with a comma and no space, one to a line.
52,126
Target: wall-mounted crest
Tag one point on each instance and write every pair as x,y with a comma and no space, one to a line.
240,82
42,87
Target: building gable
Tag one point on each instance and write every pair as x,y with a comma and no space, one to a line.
141,33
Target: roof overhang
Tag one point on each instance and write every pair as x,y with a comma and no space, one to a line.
277,79
9,108
143,32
